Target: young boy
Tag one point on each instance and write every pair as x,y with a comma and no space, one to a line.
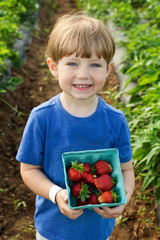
80,50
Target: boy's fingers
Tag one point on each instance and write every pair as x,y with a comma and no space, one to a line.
107,212
74,214
66,198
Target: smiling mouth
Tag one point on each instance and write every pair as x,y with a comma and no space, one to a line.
82,85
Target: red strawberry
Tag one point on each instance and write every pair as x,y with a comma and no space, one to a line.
88,177
80,190
93,199
87,167
104,182
75,189
108,197
80,202
75,172
102,167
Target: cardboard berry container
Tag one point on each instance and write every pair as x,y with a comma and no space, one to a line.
91,156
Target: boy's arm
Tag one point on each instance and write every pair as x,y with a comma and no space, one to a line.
128,178
40,184
35,179
129,182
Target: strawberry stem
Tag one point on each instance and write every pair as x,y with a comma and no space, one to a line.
84,193
115,196
114,181
78,166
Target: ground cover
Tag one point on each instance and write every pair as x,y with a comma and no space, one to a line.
16,200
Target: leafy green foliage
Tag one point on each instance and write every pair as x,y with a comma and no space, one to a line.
96,8
143,111
10,83
142,64
152,11
124,15
144,122
12,14
18,203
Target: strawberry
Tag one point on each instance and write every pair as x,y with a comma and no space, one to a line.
93,199
102,167
75,171
108,197
75,189
104,182
80,190
87,167
88,177
80,202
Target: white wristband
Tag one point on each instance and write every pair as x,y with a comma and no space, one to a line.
53,191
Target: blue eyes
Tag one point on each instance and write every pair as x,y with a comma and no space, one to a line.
73,64
95,65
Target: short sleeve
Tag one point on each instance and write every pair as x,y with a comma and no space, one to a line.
31,147
124,142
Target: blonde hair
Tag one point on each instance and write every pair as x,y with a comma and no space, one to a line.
76,33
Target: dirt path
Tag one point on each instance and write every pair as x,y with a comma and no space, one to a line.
16,200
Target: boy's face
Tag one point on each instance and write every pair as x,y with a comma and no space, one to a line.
80,78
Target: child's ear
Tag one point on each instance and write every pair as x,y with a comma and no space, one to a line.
52,67
109,68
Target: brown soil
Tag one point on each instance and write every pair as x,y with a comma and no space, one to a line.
138,220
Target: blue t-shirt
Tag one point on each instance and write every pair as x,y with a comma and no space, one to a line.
51,131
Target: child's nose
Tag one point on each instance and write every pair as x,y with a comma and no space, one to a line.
82,72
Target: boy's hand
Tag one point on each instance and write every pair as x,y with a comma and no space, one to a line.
114,212
107,212
62,201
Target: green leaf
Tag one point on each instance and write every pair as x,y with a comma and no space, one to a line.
148,179
148,79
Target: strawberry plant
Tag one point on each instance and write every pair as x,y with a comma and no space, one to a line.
142,65
13,13
92,8
152,11
123,14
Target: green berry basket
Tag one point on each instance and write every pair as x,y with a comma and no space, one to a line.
91,156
